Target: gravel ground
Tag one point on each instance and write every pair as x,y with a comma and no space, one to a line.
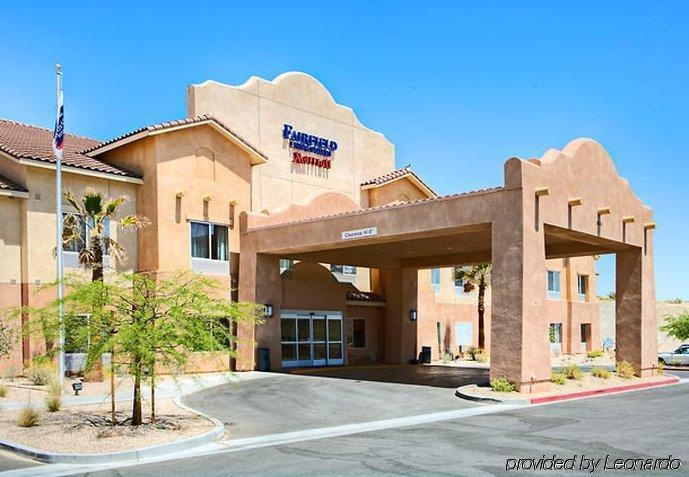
84,429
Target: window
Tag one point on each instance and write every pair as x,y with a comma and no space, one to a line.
582,286
77,333
343,269
553,284
219,339
556,332
459,283
435,279
358,333
209,241
286,264
84,227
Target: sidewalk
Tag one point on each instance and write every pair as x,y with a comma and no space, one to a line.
167,387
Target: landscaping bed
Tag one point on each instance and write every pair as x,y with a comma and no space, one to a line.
86,429
588,384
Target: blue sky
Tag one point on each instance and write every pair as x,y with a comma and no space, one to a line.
458,87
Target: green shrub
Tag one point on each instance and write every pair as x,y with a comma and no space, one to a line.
660,368
482,357
572,371
501,385
29,416
473,351
602,373
594,353
39,374
447,358
558,378
625,370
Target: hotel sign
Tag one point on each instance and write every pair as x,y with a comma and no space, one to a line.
307,144
359,233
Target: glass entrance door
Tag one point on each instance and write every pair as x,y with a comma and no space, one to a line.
311,338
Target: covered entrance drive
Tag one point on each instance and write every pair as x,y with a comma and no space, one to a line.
567,203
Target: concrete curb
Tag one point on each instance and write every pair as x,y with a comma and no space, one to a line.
470,393
136,454
605,391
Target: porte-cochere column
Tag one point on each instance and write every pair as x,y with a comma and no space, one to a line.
635,318
259,282
520,348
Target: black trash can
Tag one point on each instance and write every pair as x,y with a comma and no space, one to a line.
263,359
426,354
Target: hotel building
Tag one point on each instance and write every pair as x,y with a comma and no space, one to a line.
282,195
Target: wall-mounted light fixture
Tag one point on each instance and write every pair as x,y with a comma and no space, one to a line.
268,310
413,315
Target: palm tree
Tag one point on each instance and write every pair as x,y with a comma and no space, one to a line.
93,214
472,277
87,230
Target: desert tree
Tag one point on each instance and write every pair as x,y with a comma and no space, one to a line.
677,326
151,320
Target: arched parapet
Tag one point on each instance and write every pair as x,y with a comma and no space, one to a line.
579,188
322,205
294,88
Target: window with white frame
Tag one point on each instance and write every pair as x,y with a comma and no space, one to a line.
343,269
210,248
553,284
209,241
435,279
84,231
582,287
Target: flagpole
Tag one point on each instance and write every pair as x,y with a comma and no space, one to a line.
58,228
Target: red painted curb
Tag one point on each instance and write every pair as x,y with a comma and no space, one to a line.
601,392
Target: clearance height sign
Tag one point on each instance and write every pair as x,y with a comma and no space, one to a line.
309,149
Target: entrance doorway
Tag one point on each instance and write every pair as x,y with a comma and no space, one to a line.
311,338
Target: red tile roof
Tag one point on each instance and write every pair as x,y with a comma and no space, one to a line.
171,124
6,184
394,175
23,141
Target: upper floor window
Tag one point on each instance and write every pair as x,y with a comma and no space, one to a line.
435,279
83,227
343,269
209,241
553,284
582,287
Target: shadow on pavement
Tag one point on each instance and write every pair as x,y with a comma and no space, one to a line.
422,375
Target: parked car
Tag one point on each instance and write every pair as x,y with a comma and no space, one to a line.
679,356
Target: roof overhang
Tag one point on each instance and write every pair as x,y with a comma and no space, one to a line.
14,193
254,156
72,170
411,178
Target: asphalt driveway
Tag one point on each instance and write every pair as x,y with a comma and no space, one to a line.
291,402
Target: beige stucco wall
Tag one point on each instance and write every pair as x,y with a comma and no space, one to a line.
257,111
38,241
182,169
27,240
